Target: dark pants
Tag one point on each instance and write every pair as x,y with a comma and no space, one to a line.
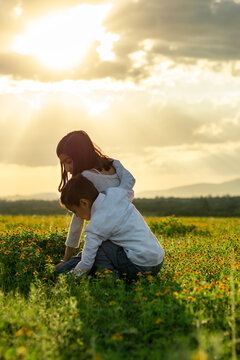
112,257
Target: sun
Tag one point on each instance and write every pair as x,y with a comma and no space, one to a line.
61,40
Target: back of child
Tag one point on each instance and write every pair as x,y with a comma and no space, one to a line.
128,244
117,236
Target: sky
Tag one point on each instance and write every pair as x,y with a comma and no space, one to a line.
155,84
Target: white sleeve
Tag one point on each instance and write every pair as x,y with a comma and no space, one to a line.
74,232
92,243
127,181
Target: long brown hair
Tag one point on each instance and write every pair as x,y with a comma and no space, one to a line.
84,154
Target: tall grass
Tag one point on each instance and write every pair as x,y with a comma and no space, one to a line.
191,310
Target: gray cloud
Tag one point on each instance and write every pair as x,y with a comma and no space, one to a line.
181,30
91,67
24,67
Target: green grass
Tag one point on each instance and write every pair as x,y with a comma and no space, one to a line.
191,310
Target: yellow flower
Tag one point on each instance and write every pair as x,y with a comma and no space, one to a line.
167,291
159,320
150,277
21,350
117,337
200,355
112,303
23,331
49,258
97,357
107,271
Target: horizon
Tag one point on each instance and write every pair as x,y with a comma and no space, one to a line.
146,193
135,75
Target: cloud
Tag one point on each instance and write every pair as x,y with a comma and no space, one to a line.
45,6
36,144
171,144
182,30
128,124
21,67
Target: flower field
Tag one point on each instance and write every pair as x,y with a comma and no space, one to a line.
191,310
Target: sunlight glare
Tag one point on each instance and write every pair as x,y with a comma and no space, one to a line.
17,11
62,39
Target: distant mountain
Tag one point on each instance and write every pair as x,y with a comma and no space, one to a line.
39,196
231,188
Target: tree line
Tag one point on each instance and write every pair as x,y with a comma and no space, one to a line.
225,206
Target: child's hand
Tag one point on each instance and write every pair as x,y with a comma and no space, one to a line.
75,273
72,274
58,265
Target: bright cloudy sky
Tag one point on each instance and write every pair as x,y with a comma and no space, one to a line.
156,84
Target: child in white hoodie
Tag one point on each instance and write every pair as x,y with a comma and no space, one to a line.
117,237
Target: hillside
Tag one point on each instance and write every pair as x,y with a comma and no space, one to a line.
231,188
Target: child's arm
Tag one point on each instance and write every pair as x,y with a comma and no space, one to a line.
92,243
73,238
127,181
75,232
67,256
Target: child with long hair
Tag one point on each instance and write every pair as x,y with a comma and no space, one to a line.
79,155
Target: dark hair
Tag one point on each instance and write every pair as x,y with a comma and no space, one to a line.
78,187
84,154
